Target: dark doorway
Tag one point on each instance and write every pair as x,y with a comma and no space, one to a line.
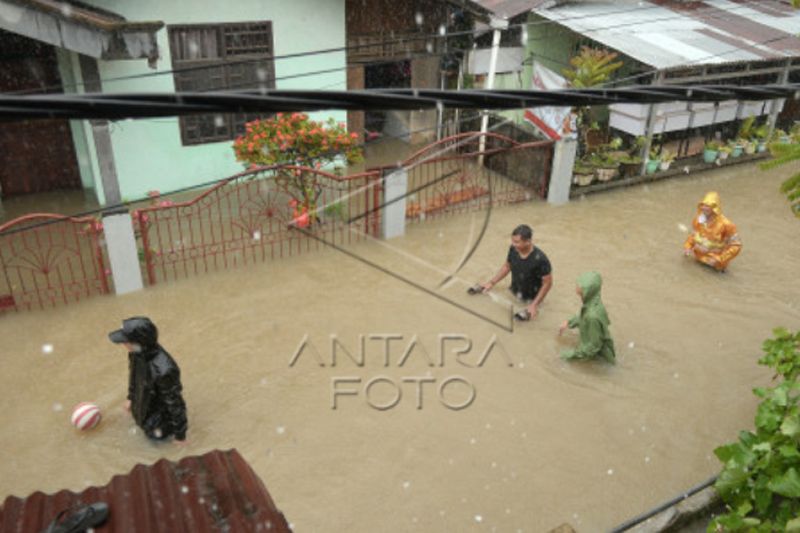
389,75
35,155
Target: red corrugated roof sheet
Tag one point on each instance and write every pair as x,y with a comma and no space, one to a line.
215,492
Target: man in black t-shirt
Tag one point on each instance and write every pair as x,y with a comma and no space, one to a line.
531,273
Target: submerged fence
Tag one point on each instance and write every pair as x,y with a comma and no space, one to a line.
263,214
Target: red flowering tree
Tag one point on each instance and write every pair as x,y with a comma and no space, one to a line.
294,139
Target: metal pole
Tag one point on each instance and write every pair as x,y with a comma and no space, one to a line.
773,110
498,25
651,122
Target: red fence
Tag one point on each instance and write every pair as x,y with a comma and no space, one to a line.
261,214
256,215
49,259
454,175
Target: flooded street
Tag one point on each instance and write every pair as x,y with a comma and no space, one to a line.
544,441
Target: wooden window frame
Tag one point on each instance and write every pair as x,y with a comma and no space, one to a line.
232,60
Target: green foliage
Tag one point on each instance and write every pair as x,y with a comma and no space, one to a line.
760,480
592,66
785,153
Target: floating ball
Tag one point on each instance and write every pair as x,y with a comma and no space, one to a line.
86,415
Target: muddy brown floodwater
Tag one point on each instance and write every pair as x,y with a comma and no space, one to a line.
543,442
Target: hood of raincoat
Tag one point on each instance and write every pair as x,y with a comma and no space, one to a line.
139,330
590,284
711,199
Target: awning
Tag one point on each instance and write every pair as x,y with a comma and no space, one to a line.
80,28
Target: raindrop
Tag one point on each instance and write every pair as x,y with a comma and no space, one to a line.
57,407
522,365
256,235
418,18
261,74
219,122
441,513
494,465
193,49
66,9
132,431
280,430
472,440
683,228
442,29
429,47
631,345
157,433
478,518
610,471
47,348
185,489
523,37
675,375
414,519
406,484
201,501
646,459
441,235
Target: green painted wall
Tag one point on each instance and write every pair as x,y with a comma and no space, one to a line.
148,152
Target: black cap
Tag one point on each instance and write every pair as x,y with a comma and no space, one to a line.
138,329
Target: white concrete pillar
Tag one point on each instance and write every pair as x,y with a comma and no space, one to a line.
395,187
564,153
122,252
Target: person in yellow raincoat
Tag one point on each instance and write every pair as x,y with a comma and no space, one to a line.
714,240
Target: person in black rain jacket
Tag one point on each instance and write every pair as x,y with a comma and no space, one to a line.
154,385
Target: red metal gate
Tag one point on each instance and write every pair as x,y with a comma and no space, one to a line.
256,215
49,259
454,175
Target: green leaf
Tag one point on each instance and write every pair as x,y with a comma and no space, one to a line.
762,447
793,526
731,480
763,498
786,485
789,451
766,417
791,426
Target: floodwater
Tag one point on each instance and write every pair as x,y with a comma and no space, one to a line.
544,442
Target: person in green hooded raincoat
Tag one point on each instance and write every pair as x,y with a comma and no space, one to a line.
592,322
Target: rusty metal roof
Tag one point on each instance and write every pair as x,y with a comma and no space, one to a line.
217,491
508,9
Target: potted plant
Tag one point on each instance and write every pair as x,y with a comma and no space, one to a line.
735,148
727,150
629,165
667,157
582,175
761,137
711,151
653,161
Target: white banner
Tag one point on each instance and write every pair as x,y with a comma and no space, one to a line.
555,122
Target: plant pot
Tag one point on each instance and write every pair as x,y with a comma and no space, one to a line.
594,138
750,149
709,156
762,147
629,169
652,165
665,165
785,139
582,180
724,155
737,151
606,174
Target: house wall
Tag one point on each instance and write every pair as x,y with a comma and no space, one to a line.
148,152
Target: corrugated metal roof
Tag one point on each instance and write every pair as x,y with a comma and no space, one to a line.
506,9
217,491
666,33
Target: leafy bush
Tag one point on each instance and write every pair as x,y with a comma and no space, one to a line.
760,480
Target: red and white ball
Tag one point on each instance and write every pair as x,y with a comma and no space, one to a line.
85,416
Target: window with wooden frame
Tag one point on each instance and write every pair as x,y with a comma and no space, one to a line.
213,57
